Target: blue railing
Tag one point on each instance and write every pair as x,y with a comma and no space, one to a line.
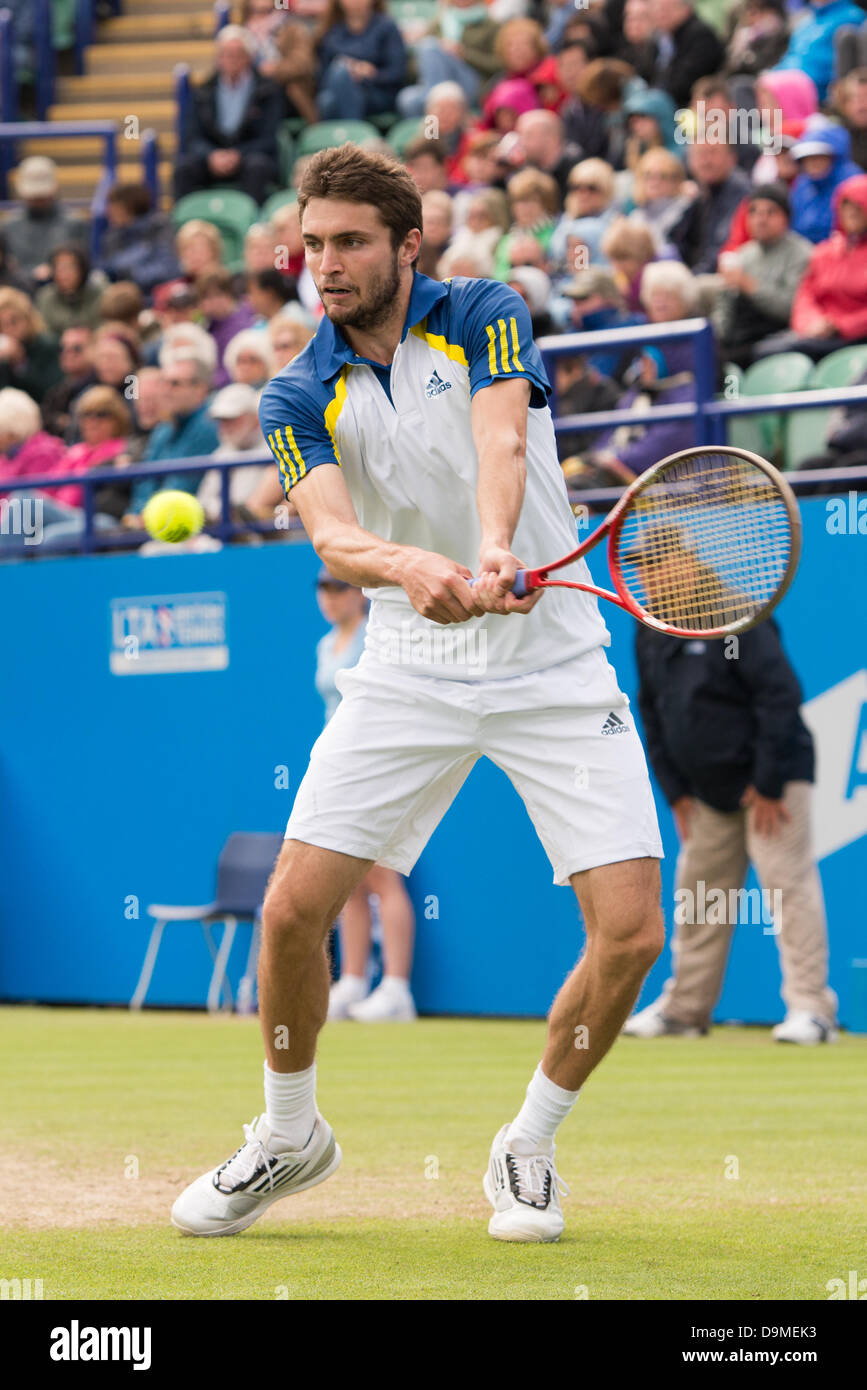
8,79
150,158
182,105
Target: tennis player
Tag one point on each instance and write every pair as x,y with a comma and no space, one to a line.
414,435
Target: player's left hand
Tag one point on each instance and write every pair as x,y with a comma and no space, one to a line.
493,587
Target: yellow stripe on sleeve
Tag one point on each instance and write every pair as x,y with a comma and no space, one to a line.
492,350
296,454
515,358
284,463
504,346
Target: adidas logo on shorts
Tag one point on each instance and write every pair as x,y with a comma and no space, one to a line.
434,386
614,725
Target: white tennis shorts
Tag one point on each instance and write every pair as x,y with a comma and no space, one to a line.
388,765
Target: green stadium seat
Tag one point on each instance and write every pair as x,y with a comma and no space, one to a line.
324,134
763,434
230,210
384,121
277,200
806,431
404,133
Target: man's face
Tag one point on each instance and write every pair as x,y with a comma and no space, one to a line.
151,402
766,222
427,172
538,138
710,164
855,103
240,432
185,391
669,14
354,266
74,352
232,59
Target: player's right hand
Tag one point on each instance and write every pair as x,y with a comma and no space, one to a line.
439,589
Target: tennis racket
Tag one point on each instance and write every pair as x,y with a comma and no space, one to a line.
704,544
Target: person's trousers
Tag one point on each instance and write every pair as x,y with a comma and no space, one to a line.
435,66
715,856
254,175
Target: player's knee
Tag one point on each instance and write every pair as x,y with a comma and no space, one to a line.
290,925
633,943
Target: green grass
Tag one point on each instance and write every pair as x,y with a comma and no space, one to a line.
90,1096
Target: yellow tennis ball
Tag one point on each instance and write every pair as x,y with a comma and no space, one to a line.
173,516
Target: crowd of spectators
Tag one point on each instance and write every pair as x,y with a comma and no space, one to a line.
617,163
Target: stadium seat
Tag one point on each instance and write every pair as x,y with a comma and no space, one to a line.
324,134
277,200
230,210
763,434
243,869
806,431
403,133
285,151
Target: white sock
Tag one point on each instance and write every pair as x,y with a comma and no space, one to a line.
290,1104
546,1107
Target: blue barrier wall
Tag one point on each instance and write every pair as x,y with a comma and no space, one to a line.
122,776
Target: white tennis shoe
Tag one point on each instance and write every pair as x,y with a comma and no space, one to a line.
805,1028
348,990
524,1190
390,1002
652,1023
264,1169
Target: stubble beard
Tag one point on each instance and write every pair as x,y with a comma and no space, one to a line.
377,307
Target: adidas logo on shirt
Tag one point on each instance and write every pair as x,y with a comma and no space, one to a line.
434,386
614,725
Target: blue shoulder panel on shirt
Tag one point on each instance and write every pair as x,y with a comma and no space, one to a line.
492,324
295,412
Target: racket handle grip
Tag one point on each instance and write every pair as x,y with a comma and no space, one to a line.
519,588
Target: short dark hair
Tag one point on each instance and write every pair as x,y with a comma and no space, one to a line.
421,146
135,197
78,254
220,281
587,46
272,281
365,176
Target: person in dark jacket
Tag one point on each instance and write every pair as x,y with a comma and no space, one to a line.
362,60
139,243
735,761
702,231
232,124
688,48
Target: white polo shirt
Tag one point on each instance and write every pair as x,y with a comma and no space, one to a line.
402,436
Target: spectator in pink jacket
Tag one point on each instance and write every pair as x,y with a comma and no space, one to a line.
25,449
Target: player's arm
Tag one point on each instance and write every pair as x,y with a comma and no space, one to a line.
435,585
507,377
499,425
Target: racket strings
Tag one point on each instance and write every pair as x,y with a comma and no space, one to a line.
706,544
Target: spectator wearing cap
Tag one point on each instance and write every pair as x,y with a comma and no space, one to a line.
700,234
189,432
761,277
174,302
42,223
249,359
362,60
823,158
235,411
138,243
232,124
597,304
687,49
830,308
811,47
459,46
224,315
345,610
28,354
72,297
